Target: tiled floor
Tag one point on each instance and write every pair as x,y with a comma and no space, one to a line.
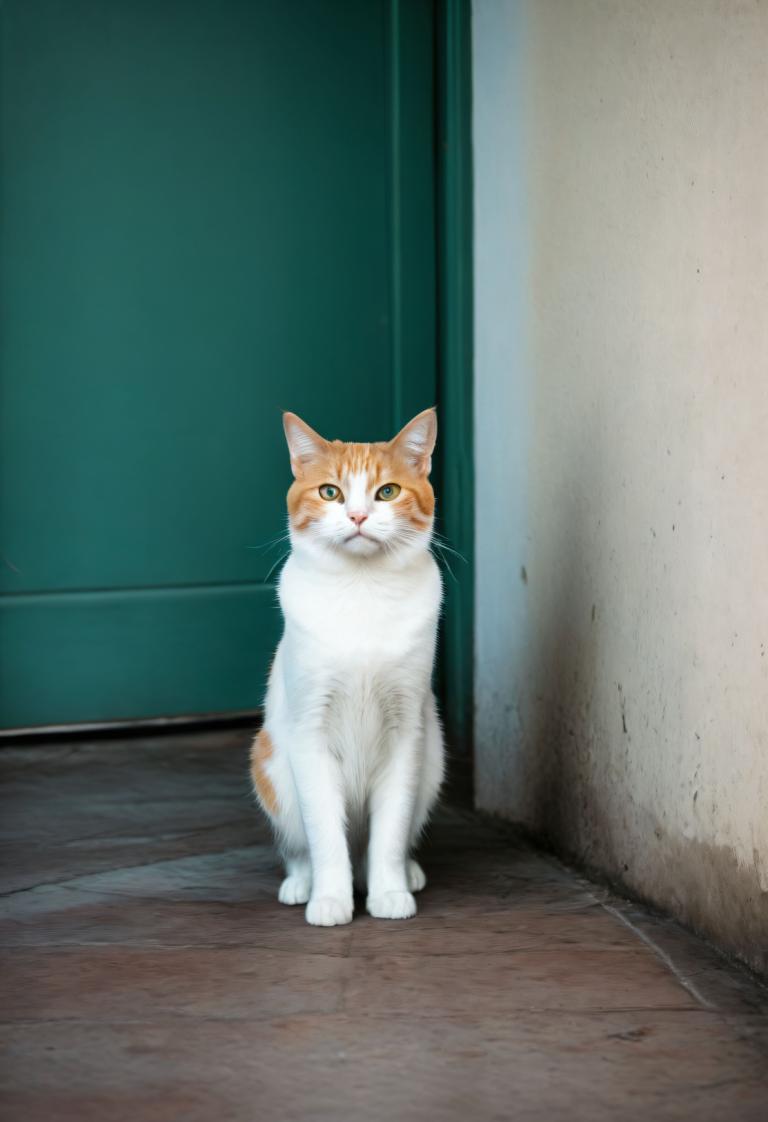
149,972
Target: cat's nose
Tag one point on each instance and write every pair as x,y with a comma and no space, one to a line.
358,516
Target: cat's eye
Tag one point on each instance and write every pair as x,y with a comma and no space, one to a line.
388,492
329,492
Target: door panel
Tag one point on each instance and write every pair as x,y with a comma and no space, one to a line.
213,210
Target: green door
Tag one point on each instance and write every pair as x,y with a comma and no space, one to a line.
213,210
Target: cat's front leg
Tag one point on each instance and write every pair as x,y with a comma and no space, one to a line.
319,786
392,803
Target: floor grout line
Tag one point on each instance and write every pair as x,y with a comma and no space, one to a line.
112,869
383,1014
685,982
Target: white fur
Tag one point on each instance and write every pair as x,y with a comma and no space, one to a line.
357,746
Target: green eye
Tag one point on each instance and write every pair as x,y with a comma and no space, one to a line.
388,492
329,492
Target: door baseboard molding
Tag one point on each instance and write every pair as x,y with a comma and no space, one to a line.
156,726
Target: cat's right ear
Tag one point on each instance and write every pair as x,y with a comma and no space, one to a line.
304,444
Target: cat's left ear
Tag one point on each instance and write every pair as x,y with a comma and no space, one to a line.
304,444
416,442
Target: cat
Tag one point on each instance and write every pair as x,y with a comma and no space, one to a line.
349,761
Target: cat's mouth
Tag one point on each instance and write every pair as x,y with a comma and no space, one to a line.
356,535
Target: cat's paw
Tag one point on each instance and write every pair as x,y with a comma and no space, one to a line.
327,911
392,905
416,876
295,890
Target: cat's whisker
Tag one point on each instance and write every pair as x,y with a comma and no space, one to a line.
444,560
440,540
278,562
270,544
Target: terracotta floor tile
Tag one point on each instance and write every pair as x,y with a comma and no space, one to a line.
127,984
562,978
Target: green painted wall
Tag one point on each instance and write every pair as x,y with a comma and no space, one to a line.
213,210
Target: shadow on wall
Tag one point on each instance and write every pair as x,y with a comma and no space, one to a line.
561,741
589,751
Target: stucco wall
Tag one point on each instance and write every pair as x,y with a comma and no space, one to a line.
621,322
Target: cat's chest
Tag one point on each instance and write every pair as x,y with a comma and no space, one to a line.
358,620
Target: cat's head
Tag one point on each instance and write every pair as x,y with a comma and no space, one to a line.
362,500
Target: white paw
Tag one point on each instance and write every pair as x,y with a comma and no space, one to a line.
327,911
294,890
416,876
392,905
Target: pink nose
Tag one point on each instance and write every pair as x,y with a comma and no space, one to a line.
357,516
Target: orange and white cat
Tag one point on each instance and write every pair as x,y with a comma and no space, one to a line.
350,759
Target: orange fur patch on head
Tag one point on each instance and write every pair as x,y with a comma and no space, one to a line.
382,462
261,752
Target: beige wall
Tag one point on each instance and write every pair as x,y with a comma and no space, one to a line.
621,249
